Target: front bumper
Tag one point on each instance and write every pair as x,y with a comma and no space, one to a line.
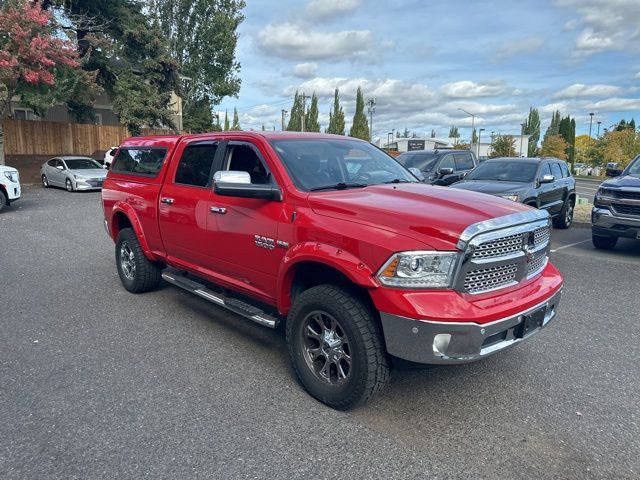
605,223
13,191
424,341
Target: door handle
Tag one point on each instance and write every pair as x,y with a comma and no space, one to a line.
220,210
167,200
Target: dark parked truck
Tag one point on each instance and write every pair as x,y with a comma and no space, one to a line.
616,207
335,240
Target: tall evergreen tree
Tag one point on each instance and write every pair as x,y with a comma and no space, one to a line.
453,132
236,121
433,133
296,113
474,136
554,126
567,130
226,121
360,126
336,117
311,119
532,128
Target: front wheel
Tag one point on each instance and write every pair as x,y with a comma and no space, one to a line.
604,243
3,200
45,181
564,220
68,185
336,347
137,273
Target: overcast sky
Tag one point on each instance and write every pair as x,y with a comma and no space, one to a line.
422,60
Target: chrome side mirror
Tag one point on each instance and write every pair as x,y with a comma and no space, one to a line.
547,179
231,176
60,167
445,171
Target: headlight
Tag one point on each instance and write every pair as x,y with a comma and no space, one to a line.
12,176
604,196
419,270
513,198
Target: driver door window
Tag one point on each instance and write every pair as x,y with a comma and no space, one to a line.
447,162
243,157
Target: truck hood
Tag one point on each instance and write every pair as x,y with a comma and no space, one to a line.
434,216
628,181
491,187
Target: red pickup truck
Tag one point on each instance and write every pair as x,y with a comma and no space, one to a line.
333,238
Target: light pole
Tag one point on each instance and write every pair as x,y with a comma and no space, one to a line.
389,134
599,122
521,137
473,119
284,115
372,109
480,130
590,123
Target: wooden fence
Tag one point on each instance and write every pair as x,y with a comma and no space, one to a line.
26,137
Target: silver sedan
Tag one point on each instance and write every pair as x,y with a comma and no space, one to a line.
73,173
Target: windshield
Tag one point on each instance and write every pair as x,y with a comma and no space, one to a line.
81,164
634,167
422,161
516,171
317,164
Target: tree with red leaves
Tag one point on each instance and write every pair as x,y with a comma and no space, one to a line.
35,62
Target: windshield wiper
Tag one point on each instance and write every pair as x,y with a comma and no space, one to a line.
339,186
400,180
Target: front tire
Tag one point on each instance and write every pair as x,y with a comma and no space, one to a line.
3,200
45,181
604,243
336,347
68,185
137,273
564,220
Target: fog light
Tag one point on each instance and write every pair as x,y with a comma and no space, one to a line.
441,343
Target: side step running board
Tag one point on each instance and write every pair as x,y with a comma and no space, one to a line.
247,310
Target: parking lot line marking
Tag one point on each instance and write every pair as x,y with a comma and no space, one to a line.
570,245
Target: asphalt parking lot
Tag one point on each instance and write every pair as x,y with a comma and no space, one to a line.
99,383
587,188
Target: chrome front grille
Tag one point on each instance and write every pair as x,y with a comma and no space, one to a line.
499,255
477,281
500,247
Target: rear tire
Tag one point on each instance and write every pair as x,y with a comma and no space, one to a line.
3,200
564,220
604,243
336,347
68,185
45,181
137,273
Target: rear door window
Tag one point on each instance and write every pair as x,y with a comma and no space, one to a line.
139,161
565,170
463,161
195,165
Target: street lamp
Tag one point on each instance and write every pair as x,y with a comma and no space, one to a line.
372,109
473,118
389,134
521,137
480,130
599,122
590,123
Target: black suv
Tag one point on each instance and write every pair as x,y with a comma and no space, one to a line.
540,182
440,167
616,208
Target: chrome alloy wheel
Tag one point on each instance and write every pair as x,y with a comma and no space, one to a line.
127,261
326,348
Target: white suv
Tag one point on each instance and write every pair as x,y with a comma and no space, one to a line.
9,185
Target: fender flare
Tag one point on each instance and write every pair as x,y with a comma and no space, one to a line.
344,262
129,212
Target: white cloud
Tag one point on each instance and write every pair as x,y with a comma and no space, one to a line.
326,9
469,89
636,76
517,47
305,70
291,41
615,104
579,90
609,25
